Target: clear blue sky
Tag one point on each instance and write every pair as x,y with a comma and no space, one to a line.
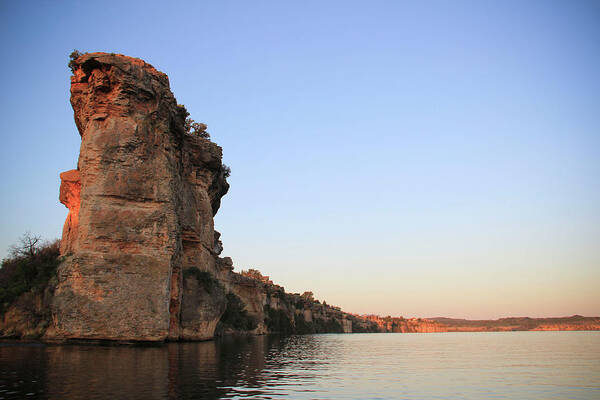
404,158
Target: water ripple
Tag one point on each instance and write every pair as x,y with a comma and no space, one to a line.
524,365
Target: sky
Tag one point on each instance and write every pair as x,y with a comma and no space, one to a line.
394,157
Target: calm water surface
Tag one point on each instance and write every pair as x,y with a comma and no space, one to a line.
511,365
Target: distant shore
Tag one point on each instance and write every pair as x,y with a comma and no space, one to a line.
442,324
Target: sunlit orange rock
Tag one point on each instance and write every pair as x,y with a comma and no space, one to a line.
423,325
70,191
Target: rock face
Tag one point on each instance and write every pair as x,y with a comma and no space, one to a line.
141,206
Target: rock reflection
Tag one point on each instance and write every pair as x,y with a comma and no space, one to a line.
232,367
257,367
100,372
22,371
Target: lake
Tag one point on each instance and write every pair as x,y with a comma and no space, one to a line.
497,365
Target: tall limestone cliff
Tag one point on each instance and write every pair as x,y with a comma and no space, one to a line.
141,205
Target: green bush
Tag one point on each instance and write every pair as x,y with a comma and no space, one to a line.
334,326
303,327
278,321
29,267
204,278
226,171
192,127
75,54
236,316
331,325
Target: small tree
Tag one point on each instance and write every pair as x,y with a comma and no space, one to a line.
195,128
28,246
254,274
226,171
31,264
236,316
199,129
308,296
192,127
75,54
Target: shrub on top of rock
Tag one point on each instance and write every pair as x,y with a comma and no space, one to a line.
192,127
226,171
197,129
75,54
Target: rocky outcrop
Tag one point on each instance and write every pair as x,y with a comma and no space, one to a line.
141,205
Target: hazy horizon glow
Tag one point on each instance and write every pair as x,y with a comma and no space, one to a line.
438,159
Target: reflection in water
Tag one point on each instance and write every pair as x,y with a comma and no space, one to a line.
213,369
536,365
22,370
231,367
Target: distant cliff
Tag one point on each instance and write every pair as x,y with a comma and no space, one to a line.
572,323
424,325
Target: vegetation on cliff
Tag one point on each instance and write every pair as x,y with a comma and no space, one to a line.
278,321
30,266
75,54
287,313
236,317
208,282
197,129
192,127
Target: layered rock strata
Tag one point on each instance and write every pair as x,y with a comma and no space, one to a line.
141,205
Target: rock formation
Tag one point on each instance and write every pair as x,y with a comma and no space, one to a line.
141,205
140,259
141,253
